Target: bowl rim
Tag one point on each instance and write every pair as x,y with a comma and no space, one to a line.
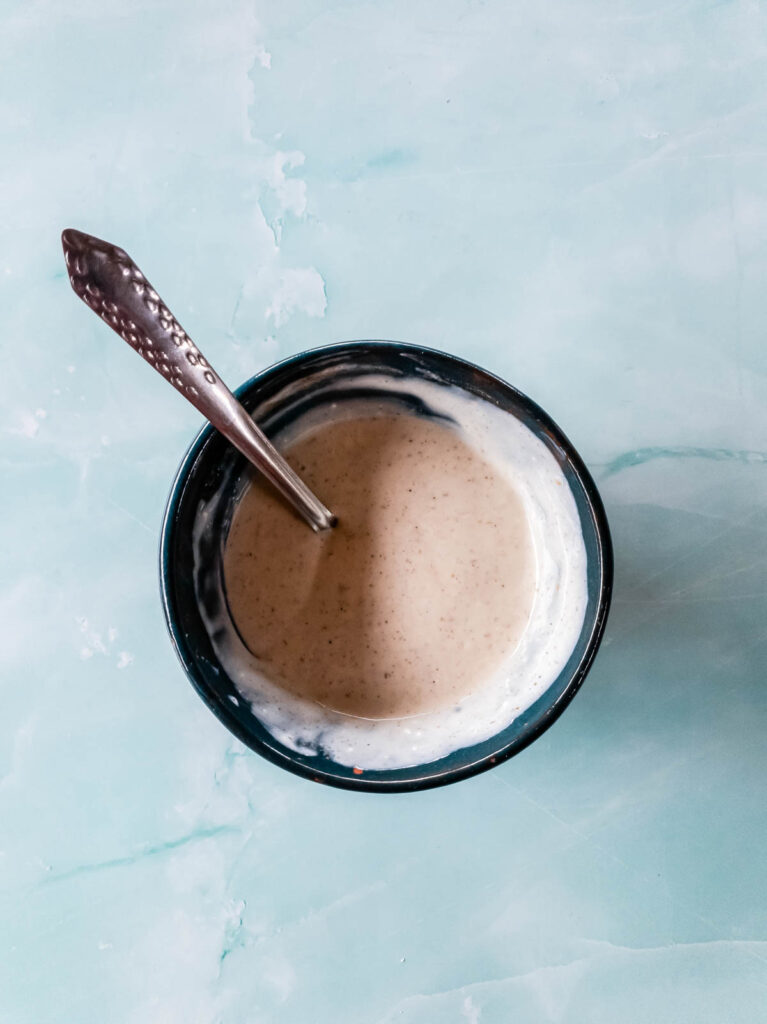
430,779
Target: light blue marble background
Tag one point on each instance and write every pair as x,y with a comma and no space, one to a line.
573,194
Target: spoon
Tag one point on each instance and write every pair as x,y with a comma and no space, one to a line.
106,279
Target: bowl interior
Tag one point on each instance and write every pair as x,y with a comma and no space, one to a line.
212,475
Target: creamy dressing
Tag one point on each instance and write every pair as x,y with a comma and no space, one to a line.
418,595
447,601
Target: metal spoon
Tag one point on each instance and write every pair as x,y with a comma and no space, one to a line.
107,280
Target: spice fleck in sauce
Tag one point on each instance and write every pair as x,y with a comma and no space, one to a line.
419,595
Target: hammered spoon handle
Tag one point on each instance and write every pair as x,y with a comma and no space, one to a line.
106,279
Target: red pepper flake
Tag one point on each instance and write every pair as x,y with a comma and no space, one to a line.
357,771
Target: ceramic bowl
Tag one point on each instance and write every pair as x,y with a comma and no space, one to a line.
211,475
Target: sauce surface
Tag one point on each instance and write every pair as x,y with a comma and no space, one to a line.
416,598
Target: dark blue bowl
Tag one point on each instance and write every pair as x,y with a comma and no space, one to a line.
213,469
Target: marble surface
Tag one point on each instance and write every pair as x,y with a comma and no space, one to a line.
572,194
